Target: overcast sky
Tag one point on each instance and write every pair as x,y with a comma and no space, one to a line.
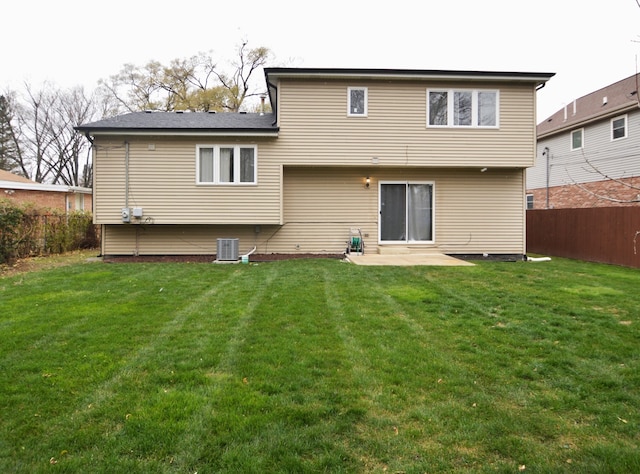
588,44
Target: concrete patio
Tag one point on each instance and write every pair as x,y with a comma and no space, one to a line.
432,259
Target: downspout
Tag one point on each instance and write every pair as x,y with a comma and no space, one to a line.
126,175
103,229
274,107
546,153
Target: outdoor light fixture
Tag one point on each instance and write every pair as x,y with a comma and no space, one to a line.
367,182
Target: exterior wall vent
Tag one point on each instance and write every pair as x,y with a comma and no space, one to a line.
227,250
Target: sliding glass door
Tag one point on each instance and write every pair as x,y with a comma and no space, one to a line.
406,212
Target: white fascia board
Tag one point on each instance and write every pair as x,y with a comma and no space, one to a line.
60,188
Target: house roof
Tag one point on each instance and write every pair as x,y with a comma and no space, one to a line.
13,181
8,176
609,101
409,74
186,123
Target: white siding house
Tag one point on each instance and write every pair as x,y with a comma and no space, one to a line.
588,153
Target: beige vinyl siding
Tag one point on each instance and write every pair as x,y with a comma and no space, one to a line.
315,128
177,239
162,180
474,213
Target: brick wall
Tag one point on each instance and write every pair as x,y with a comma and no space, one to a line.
46,199
593,195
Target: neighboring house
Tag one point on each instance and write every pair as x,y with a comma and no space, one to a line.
415,160
46,196
588,153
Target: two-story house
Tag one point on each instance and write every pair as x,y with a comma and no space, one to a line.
413,159
588,152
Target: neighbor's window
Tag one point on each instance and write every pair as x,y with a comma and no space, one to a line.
619,127
357,99
462,108
576,139
226,164
529,201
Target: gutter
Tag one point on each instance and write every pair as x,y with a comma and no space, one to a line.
176,132
60,188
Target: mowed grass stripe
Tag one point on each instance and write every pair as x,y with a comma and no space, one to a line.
181,372
223,375
102,410
284,411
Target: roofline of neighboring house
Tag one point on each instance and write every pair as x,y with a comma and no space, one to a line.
61,188
408,74
590,119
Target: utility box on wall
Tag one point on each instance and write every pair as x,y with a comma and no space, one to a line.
227,249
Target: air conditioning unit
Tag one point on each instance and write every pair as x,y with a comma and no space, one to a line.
227,249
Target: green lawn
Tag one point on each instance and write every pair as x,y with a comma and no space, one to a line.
320,366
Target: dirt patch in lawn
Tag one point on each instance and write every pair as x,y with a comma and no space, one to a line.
24,265
44,262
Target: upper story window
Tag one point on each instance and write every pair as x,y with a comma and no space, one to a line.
226,164
577,139
462,108
619,127
357,101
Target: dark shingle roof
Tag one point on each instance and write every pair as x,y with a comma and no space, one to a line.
181,122
606,102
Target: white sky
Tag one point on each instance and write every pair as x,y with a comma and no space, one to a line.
588,44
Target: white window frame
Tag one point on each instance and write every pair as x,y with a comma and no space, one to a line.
474,108
626,121
236,168
581,130
529,201
365,112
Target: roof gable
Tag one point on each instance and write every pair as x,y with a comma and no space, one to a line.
606,102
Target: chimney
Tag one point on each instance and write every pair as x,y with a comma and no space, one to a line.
262,99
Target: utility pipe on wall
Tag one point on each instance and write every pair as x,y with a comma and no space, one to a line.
126,175
546,153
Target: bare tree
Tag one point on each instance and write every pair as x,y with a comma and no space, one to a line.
70,159
51,150
592,168
196,83
238,83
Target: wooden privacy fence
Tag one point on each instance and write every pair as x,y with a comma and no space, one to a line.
604,234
